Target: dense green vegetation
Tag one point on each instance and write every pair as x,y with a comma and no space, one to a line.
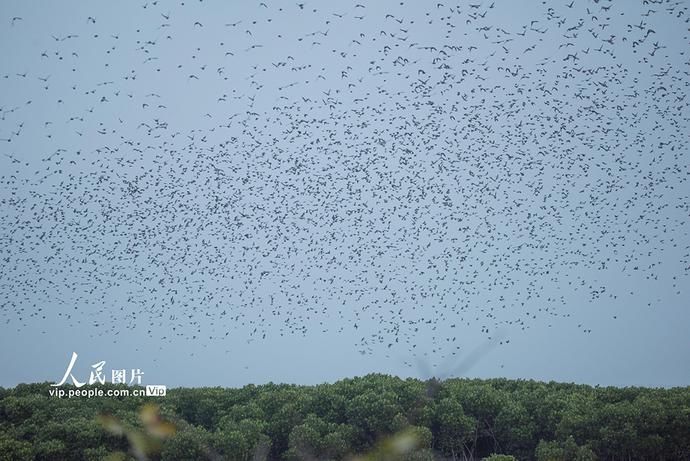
373,417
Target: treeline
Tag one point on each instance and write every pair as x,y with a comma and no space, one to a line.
372,417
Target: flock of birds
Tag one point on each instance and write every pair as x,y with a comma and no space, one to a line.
382,170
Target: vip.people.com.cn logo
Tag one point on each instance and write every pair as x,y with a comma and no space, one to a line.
97,375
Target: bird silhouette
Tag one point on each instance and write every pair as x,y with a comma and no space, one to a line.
402,177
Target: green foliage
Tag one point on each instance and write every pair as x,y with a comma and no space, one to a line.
515,429
496,457
564,451
372,413
375,417
190,444
455,431
96,454
411,444
316,438
11,449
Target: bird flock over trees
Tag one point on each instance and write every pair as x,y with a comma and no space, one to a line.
381,170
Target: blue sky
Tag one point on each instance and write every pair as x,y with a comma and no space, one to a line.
220,193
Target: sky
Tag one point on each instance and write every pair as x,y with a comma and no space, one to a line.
222,193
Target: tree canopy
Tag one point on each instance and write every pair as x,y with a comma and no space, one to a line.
371,417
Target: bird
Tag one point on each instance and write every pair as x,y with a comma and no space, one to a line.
401,181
